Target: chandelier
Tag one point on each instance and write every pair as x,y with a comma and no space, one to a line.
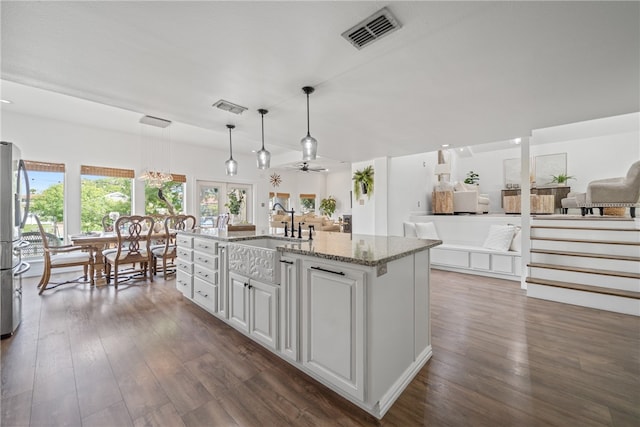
156,151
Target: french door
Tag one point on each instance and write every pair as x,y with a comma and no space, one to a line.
213,196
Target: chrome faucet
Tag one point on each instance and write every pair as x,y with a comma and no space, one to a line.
292,220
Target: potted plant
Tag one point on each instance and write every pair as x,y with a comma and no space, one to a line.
561,179
328,206
472,178
363,182
235,199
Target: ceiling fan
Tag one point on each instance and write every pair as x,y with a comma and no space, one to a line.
306,167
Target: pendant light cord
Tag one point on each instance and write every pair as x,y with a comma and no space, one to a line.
262,114
308,132
230,146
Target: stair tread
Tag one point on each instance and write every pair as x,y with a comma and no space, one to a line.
585,288
561,227
585,270
606,242
586,255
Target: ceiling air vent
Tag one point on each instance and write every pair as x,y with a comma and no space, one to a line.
372,28
229,106
155,121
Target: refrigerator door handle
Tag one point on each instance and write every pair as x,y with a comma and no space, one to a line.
24,266
22,171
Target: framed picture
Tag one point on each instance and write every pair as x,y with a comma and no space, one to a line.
548,166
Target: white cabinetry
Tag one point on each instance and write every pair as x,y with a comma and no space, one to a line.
205,273
253,308
184,275
289,307
332,314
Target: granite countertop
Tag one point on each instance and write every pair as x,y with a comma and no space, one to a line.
355,249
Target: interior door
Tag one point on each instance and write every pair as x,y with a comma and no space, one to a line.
209,202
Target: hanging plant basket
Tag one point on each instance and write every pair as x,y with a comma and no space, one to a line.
363,182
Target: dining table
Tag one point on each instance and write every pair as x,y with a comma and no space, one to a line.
97,241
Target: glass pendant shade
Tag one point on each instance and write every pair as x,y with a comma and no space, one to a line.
264,159
309,143
263,156
231,166
309,147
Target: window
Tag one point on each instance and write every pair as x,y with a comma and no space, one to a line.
308,203
238,203
221,197
282,198
46,184
172,193
103,190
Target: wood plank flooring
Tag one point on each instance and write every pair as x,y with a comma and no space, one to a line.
143,356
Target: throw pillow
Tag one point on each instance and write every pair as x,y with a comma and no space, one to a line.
517,240
499,238
427,230
410,229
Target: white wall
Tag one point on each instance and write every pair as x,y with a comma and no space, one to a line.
411,181
370,211
74,145
339,185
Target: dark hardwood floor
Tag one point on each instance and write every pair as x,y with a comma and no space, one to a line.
145,356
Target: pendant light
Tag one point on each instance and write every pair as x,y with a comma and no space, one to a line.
231,165
309,143
264,157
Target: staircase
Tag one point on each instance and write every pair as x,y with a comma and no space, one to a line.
591,262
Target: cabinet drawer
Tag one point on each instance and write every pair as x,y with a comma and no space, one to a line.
205,274
207,260
205,245
184,241
185,266
205,294
184,253
184,283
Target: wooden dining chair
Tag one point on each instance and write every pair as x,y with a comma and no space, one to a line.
134,247
167,251
63,256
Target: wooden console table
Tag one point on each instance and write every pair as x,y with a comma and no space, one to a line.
442,202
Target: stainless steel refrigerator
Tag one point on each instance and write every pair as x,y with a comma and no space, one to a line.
14,208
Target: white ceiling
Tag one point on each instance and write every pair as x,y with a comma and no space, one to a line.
459,73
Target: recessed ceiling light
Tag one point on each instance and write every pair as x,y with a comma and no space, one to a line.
517,141
444,145
6,101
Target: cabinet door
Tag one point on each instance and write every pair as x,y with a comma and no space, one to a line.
332,332
238,301
289,303
263,313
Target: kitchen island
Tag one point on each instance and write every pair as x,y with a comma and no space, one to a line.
352,311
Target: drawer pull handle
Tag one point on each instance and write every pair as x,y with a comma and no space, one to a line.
204,295
328,271
286,262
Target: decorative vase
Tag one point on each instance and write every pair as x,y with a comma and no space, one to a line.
365,188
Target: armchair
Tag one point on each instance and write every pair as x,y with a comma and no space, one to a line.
63,256
467,199
613,192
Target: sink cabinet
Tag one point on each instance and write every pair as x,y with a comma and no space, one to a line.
253,308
